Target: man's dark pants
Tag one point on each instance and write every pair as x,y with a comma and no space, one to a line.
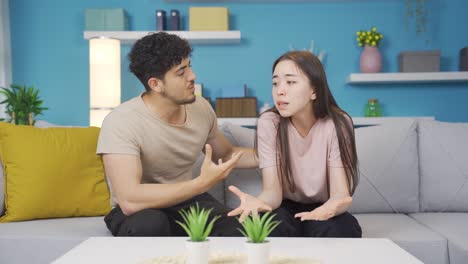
162,222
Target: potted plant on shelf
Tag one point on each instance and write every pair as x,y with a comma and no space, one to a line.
23,104
371,60
197,228
256,230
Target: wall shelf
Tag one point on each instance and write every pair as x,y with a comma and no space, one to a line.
194,37
406,77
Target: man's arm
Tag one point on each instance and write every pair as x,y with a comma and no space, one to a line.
223,149
125,171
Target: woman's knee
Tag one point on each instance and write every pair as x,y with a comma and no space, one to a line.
344,225
148,222
288,226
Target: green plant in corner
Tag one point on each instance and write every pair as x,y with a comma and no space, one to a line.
22,104
257,228
196,222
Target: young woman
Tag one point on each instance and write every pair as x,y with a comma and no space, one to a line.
307,154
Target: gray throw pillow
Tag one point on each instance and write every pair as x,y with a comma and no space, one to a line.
443,152
388,165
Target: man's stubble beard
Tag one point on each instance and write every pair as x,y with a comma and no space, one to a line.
179,101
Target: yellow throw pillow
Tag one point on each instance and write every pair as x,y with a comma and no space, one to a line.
52,172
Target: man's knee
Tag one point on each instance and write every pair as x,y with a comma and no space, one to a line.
148,222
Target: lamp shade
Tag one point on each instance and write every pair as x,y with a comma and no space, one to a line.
104,75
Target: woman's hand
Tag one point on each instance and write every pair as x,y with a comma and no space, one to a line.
328,210
249,204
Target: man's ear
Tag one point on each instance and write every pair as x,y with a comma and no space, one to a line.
156,84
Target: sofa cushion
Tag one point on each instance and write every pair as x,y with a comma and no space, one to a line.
452,226
45,240
248,180
35,159
444,166
420,241
388,165
39,124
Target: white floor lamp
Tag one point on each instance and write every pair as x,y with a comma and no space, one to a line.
104,76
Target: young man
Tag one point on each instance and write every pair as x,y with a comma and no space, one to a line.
150,143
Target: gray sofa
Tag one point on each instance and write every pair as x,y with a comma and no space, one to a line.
413,190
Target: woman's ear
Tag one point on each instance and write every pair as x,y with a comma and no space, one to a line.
313,95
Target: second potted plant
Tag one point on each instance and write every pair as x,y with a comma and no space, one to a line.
197,228
256,230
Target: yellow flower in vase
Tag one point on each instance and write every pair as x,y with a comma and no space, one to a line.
369,37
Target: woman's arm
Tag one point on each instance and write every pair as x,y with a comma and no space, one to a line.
269,199
339,201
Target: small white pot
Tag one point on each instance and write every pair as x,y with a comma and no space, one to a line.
198,252
258,253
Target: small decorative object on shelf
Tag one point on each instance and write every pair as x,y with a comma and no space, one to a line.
22,104
106,19
161,20
175,20
256,230
236,107
464,59
373,108
371,60
208,18
419,61
321,54
197,227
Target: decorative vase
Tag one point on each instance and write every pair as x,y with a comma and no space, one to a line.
198,252
258,253
371,60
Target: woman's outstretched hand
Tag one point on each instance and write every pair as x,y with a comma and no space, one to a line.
249,204
328,210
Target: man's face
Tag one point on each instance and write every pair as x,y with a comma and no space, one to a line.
179,83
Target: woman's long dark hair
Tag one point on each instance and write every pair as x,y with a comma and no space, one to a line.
324,106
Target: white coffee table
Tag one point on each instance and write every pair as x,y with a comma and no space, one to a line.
101,250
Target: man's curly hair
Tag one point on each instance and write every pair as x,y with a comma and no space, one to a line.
155,54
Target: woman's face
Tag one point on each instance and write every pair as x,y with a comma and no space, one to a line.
291,91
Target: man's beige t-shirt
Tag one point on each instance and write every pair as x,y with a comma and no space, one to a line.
167,152
310,156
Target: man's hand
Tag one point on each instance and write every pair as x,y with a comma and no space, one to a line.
249,204
326,211
211,173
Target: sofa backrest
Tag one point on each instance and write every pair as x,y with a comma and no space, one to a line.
443,151
388,166
248,180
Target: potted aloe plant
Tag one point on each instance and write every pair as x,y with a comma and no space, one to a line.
256,230
197,228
